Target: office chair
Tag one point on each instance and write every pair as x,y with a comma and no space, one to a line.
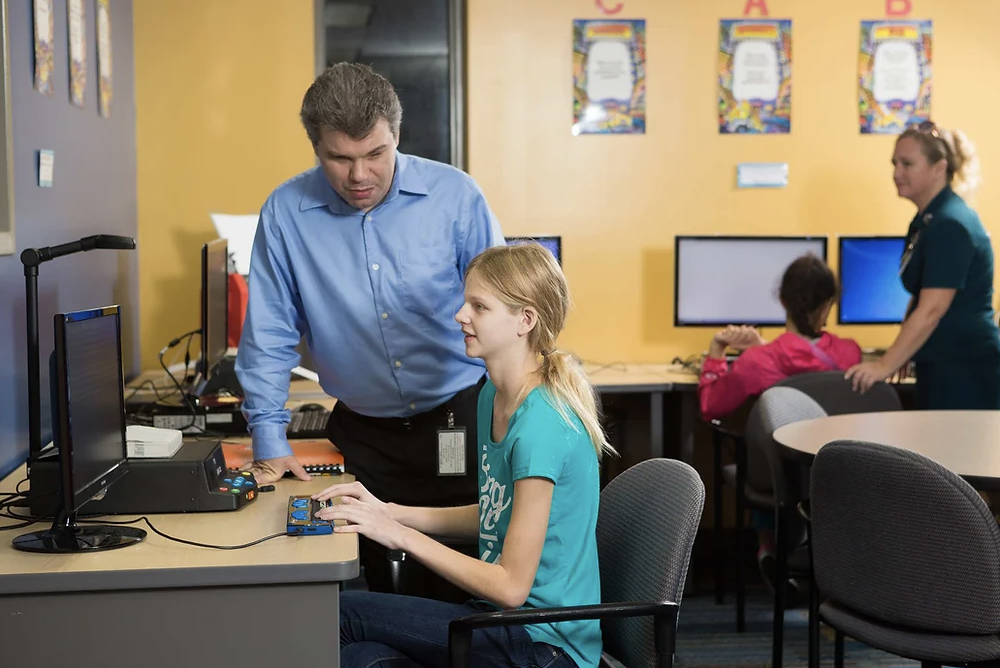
835,395
905,555
648,520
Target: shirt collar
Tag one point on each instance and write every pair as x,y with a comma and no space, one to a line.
320,193
932,207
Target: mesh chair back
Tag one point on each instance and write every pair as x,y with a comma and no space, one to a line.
766,470
837,397
645,532
899,538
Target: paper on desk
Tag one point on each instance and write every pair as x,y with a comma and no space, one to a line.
239,231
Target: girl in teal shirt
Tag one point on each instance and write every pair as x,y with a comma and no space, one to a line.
949,332
540,441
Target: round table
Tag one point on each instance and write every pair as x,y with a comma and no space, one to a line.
965,442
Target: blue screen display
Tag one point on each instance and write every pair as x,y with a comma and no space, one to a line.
552,244
871,291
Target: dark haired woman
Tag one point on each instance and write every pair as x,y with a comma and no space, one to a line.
808,291
949,330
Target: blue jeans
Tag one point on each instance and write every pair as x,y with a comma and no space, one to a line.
407,631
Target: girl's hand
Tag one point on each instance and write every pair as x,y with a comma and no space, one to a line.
354,490
366,519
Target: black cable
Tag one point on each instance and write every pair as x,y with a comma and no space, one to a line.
187,399
152,387
190,542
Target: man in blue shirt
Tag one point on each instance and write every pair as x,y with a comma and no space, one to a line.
364,256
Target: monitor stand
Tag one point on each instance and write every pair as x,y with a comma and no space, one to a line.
223,379
66,536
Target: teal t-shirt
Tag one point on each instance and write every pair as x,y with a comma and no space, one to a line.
540,444
951,249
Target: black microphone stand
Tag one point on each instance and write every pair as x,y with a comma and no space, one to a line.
31,258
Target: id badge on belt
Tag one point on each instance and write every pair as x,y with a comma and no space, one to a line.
451,448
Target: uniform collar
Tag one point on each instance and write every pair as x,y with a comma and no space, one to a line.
934,205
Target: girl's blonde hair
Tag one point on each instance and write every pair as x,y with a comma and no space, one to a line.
953,146
528,275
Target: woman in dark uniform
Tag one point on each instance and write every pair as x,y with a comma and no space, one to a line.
949,330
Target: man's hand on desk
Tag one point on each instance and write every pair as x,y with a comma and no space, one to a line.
270,470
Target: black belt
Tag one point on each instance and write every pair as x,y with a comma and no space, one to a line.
437,415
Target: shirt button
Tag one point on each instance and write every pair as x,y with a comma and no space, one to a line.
413,406
385,316
398,364
375,266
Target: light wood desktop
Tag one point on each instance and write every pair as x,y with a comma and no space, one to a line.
652,379
965,442
160,603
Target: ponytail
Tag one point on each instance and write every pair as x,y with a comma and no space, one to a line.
963,163
567,383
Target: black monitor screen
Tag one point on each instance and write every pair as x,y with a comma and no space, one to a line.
722,281
871,291
90,401
214,304
552,244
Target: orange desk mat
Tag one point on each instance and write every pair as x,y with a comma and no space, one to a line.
319,452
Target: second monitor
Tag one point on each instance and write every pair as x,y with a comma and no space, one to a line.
871,292
722,281
552,244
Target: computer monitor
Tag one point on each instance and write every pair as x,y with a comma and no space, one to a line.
552,244
88,429
214,305
871,292
734,280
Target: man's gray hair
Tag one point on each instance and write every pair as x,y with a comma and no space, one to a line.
350,98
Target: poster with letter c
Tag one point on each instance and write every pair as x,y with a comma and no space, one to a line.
609,76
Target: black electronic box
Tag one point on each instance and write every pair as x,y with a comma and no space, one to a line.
195,479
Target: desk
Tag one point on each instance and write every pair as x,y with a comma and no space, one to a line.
161,603
652,379
965,442
656,380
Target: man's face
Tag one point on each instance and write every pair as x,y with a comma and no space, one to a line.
360,171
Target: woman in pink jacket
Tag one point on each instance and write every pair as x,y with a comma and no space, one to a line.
808,291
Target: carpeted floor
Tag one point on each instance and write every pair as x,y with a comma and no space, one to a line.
707,638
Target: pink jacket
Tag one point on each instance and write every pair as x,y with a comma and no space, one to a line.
722,390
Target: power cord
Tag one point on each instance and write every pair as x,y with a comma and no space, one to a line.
188,542
187,361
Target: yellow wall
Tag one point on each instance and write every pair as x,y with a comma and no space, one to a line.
218,87
619,201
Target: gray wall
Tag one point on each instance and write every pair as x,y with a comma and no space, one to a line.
94,191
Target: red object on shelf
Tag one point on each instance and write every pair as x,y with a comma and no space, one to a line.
237,309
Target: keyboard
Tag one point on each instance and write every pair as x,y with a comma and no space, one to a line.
308,424
302,520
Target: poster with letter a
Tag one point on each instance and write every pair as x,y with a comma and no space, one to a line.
894,88
755,76
609,77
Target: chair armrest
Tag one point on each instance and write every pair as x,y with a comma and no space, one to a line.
805,511
664,615
717,426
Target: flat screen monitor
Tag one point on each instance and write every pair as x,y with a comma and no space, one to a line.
722,281
88,429
552,244
214,305
871,292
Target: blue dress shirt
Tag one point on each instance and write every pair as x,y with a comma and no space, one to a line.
375,295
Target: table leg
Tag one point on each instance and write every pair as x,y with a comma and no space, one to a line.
656,420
